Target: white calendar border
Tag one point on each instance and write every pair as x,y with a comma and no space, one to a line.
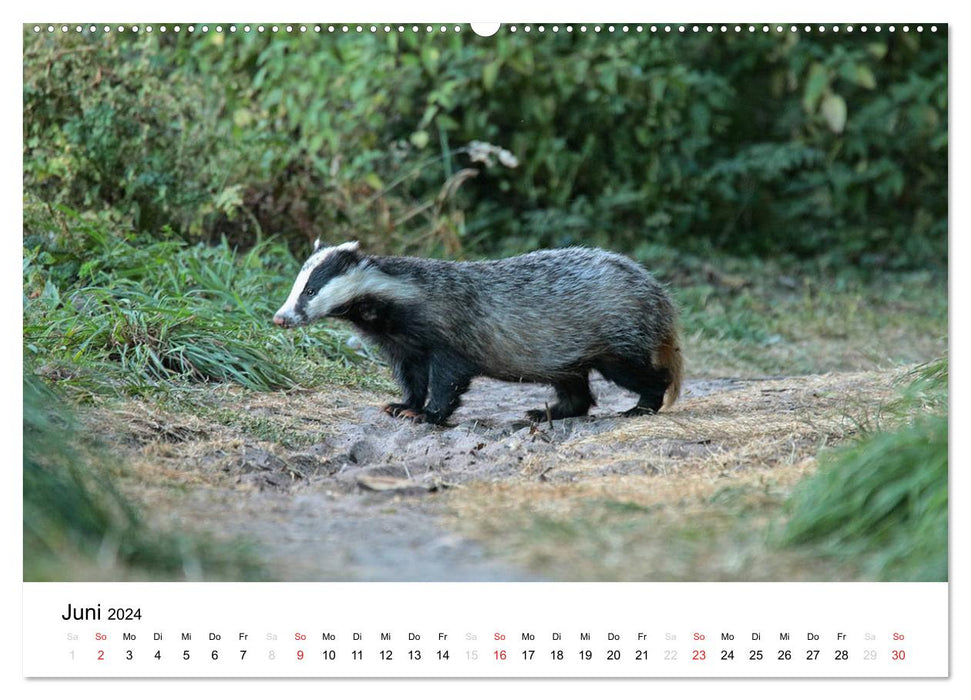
508,10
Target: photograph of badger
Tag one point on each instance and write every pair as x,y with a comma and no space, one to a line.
546,317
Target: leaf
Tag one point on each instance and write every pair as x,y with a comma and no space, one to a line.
816,84
490,72
419,139
374,181
864,77
877,49
834,112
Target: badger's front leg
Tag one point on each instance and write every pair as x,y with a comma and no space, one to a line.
411,374
449,378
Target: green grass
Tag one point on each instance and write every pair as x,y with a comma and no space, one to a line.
106,312
76,524
884,500
750,317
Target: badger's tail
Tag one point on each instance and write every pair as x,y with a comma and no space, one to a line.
667,356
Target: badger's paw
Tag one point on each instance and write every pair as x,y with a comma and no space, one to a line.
538,415
639,411
413,414
397,410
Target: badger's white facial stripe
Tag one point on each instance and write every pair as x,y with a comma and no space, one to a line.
360,281
289,308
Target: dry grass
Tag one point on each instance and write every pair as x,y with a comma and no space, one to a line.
688,494
714,474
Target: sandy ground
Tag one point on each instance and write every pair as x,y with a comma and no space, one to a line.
358,495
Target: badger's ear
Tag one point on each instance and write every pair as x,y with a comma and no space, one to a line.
351,247
317,244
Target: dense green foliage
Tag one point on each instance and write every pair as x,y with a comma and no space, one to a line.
883,500
802,142
73,514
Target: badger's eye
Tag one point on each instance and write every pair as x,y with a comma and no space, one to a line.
309,291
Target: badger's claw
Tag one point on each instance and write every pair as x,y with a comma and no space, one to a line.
639,411
412,414
394,409
403,410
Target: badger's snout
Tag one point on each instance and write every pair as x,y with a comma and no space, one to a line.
287,320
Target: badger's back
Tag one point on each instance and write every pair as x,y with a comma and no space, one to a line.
536,316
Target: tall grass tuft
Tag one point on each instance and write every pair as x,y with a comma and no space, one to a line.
77,525
884,499
135,312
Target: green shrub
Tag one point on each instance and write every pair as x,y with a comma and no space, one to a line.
801,142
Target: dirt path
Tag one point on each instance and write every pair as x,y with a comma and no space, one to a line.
330,488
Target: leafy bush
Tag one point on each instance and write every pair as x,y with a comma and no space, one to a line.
884,499
802,142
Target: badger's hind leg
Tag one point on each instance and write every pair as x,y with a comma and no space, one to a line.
639,376
573,398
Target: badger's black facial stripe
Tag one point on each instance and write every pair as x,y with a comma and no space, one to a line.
334,265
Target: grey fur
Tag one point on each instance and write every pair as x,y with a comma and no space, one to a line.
548,317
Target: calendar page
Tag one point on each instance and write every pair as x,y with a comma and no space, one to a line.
609,350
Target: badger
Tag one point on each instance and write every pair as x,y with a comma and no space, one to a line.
547,317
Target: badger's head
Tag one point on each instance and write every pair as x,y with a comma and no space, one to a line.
331,280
